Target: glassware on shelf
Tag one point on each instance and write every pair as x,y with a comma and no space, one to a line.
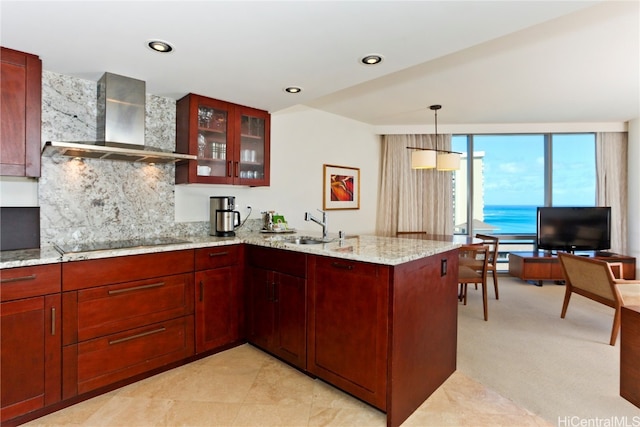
248,156
202,145
204,117
220,120
218,150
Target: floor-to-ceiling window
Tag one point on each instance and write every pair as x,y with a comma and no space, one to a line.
573,170
510,175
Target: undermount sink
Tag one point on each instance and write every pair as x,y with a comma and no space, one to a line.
305,240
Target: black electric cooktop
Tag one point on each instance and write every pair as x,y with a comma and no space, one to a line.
117,244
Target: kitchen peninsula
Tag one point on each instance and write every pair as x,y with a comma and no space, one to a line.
377,316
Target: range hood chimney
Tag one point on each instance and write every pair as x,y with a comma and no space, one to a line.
121,103
120,126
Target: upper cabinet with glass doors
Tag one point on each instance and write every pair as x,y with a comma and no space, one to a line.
231,142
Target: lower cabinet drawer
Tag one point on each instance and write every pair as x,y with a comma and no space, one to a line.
105,360
216,257
108,309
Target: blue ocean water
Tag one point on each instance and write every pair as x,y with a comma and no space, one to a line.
511,219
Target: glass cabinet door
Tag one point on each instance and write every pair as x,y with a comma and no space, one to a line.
212,141
231,142
252,148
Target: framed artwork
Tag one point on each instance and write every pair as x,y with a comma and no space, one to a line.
341,187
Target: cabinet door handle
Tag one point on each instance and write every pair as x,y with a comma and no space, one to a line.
236,169
18,279
136,288
201,291
229,165
53,320
212,254
276,292
342,266
140,335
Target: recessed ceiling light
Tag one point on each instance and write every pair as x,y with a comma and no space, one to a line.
159,46
372,59
293,89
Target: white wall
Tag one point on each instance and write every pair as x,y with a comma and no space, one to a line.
302,140
20,192
634,191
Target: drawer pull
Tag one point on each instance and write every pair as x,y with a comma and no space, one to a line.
18,279
53,320
133,337
212,254
342,266
136,288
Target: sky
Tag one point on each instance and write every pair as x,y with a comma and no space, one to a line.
513,168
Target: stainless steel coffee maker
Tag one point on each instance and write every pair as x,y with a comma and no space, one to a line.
223,218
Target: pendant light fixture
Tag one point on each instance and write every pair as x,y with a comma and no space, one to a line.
423,159
426,158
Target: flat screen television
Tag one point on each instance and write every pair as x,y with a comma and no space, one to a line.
574,228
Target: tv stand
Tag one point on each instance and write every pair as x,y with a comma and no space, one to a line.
540,266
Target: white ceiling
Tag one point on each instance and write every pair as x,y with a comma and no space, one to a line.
486,62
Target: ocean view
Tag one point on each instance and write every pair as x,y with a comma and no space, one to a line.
511,219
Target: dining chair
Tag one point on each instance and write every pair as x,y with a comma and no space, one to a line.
594,279
492,243
472,268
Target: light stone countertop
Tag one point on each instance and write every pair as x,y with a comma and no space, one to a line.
29,257
373,249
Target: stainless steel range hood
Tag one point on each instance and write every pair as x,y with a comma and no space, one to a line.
120,127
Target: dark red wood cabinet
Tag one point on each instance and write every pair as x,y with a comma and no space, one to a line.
124,316
349,327
232,142
386,334
276,303
20,115
630,354
383,333
218,297
540,266
30,339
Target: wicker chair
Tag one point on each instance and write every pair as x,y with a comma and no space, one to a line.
594,279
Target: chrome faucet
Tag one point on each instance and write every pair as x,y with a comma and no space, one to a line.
323,223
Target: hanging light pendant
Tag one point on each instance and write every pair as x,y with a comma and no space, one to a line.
427,158
446,160
423,159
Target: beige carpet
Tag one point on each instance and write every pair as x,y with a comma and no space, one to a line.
556,368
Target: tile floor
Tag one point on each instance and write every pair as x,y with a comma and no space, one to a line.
246,387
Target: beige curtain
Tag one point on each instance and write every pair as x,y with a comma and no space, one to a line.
612,186
413,200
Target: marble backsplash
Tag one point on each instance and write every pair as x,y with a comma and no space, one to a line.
99,200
